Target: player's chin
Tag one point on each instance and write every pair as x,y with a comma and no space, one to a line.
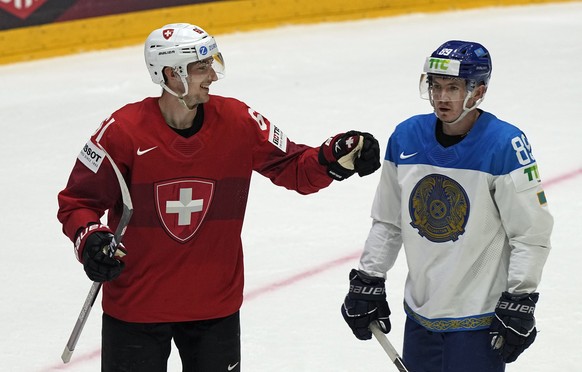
204,95
442,114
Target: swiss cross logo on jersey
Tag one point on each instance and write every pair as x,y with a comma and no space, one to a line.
167,33
182,206
21,8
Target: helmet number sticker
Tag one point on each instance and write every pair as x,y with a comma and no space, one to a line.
445,52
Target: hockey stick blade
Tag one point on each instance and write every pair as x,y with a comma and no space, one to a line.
387,346
96,286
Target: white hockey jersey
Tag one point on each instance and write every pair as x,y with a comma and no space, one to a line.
472,217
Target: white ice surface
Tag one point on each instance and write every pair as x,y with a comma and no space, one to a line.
312,81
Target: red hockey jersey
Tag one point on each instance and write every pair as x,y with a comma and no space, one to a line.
184,253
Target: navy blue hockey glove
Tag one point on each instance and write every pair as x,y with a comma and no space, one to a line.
91,247
513,328
348,153
366,302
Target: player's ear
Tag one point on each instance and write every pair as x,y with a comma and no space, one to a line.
479,91
168,73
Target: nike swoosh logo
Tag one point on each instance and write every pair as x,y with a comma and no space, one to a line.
230,368
406,156
140,152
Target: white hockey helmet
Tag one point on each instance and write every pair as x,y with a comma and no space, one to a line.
176,45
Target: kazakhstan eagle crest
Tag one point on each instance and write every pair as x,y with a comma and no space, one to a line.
439,208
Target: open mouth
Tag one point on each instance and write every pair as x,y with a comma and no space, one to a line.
444,109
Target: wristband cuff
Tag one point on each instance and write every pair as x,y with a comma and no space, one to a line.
82,237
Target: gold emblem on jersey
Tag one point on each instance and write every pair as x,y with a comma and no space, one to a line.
439,208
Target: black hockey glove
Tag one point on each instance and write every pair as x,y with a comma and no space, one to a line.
366,302
369,160
91,247
513,328
348,153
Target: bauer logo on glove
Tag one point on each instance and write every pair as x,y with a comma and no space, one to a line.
93,249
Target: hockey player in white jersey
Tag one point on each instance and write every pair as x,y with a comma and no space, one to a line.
460,190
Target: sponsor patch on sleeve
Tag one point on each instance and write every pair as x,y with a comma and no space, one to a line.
92,156
278,138
525,178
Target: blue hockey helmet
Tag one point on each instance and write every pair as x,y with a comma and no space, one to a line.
457,59
462,59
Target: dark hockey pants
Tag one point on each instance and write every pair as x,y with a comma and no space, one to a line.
207,345
462,351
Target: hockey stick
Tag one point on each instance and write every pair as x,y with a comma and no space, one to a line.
96,286
387,346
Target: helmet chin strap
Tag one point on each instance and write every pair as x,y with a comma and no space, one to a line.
466,109
180,96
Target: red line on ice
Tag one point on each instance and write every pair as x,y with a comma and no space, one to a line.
564,177
251,295
77,359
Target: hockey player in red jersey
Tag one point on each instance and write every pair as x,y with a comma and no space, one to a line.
187,158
